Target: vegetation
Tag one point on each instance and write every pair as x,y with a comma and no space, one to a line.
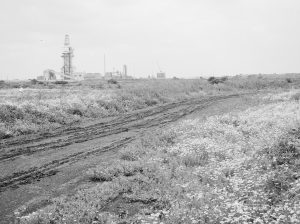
214,80
61,82
41,108
112,81
238,167
30,107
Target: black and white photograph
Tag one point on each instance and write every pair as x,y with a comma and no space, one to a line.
149,111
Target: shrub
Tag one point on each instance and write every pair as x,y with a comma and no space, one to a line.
150,102
224,78
196,159
75,111
9,113
61,82
33,81
4,132
112,81
109,171
296,96
213,80
132,153
284,153
16,85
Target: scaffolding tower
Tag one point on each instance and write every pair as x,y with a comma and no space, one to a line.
67,55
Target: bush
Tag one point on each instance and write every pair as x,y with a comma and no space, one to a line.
109,171
75,112
61,82
224,78
284,163
9,113
285,153
132,153
33,81
4,133
195,160
112,81
296,96
213,80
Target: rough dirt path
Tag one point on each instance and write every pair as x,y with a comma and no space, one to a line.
52,164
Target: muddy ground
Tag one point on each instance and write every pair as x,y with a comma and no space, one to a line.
48,165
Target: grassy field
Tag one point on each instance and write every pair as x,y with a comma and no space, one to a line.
41,108
31,107
236,167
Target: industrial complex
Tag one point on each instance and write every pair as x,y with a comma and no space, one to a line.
67,72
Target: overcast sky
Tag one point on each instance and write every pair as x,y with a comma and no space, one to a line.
185,38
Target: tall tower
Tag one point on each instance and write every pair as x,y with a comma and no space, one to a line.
67,56
125,71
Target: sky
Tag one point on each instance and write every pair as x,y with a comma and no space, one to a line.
184,38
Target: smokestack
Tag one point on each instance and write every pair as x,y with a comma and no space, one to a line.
67,40
125,70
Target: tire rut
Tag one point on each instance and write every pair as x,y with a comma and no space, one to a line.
49,169
81,134
153,117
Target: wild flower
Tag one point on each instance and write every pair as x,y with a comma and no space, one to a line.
239,167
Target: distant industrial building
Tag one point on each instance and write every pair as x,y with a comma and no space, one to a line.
90,76
67,55
68,73
49,74
124,70
161,75
118,74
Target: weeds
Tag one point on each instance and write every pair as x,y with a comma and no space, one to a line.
62,104
240,167
192,160
65,103
107,172
133,153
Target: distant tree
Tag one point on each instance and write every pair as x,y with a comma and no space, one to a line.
112,81
33,81
62,82
289,80
224,78
2,83
213,80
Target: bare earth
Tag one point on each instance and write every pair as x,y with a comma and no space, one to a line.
48,165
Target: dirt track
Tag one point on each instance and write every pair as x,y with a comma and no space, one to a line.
52,164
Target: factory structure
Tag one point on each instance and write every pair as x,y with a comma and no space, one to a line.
160,75
68,73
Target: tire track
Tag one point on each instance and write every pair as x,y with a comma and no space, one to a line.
153,117
49,169
81,134
74,135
